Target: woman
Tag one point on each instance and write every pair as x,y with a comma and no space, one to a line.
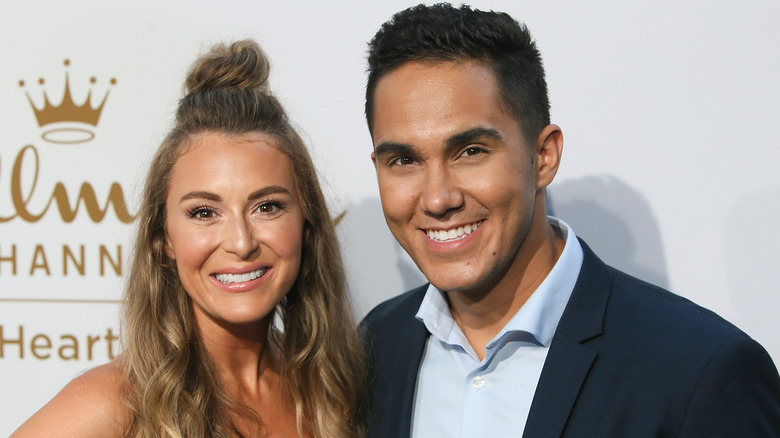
236,318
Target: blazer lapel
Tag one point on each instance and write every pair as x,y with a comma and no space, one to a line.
408,365
568,360
401,348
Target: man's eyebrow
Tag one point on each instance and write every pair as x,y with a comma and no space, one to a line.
470,136
393,148
455,141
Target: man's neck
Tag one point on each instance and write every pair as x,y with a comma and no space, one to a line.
482,314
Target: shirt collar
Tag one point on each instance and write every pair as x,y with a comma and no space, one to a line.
539,315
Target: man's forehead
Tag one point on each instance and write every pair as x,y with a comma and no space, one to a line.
438,100
429,68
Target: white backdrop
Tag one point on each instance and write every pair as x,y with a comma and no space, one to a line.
669,112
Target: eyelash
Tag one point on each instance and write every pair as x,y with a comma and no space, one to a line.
275,202
469,151
474,151
397,161
194,211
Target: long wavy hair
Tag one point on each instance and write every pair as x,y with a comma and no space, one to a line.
171,387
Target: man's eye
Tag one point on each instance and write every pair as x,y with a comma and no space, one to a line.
472,150
403,161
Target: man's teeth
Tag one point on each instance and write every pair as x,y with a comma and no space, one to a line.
240,278
453,233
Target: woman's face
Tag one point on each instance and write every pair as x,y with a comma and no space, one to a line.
234,227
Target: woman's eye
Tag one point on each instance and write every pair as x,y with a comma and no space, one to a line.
269,207
202,213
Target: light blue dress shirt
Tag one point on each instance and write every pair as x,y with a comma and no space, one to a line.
457,395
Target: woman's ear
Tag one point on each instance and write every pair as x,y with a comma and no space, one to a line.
168,248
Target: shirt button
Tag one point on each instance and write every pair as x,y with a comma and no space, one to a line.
478,382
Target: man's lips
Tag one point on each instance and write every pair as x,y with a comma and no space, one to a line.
240,278
454,233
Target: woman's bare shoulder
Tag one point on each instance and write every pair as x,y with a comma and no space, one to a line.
90,405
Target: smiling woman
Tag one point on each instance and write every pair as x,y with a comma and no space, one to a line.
235,228
234,234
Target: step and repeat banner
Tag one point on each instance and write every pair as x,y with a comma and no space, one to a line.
669,113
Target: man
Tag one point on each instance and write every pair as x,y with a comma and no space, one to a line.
522,330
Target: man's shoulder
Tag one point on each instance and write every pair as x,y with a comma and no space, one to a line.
634,307
396,310
656,326
392,333
671,355
661,310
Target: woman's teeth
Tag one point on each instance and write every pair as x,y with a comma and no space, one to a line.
240,278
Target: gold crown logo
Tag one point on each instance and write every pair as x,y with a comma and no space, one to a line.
69,120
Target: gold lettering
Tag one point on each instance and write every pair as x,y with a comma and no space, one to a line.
110,338
90,342
60,196
43,264
104,255
41,345
103,259
67,254
19,200
11,258
87,195
34,346
74,346
4,341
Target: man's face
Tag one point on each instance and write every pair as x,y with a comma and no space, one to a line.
456,176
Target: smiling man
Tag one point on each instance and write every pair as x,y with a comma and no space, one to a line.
522,329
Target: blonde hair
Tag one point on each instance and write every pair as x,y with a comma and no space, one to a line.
171,386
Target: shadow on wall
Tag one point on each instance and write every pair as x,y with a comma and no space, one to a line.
615,221
377,267
751,239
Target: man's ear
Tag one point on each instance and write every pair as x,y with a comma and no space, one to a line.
548,150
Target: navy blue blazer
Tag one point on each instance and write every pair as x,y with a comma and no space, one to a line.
628,359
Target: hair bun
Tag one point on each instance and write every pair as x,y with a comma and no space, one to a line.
240,65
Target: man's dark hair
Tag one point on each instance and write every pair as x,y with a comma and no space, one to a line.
444,33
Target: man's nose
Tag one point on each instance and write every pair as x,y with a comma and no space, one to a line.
441,192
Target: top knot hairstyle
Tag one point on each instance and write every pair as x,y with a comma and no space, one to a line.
227,91
171,388
443,33
240,65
